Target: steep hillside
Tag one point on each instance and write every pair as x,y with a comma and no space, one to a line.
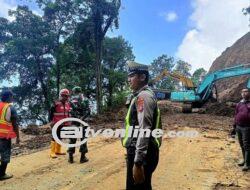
237,54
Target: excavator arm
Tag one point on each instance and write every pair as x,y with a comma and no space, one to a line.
205,88
186,82
203,92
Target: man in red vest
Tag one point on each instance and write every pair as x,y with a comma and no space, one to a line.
59,111
8,129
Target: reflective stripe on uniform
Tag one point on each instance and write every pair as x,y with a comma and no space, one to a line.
65,113
127,122
158,125
5,122
6,128
4,110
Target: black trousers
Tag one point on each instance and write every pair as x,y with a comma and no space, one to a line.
244,138
150,165
5,150
83,148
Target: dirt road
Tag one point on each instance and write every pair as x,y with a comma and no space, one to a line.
204,162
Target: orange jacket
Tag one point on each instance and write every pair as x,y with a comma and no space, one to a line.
6,128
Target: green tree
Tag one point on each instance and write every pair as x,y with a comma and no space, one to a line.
104,15
198,75
183,68
116,52
163,62
62,17
26,50
76,58
99,15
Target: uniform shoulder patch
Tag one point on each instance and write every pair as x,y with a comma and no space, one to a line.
140,104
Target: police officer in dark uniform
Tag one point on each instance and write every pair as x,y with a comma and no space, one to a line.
143,113
80,110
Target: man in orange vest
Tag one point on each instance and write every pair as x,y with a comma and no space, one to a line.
60,110
8,129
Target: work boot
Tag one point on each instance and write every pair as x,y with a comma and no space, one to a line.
83,158
247,162
245,168
6,176
3,175
71,159
52,149
242,162
59,150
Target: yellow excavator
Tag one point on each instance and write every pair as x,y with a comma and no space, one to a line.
186,82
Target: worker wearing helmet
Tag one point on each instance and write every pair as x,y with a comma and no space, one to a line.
59,110
80,110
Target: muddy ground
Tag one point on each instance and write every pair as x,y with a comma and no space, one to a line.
208,161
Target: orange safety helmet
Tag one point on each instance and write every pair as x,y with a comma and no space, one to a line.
64,92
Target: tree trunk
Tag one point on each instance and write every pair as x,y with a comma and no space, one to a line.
58,77
44,87
58,69
98,76
110,97
98,52
99,33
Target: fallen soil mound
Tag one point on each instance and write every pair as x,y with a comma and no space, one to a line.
220,108
36,130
